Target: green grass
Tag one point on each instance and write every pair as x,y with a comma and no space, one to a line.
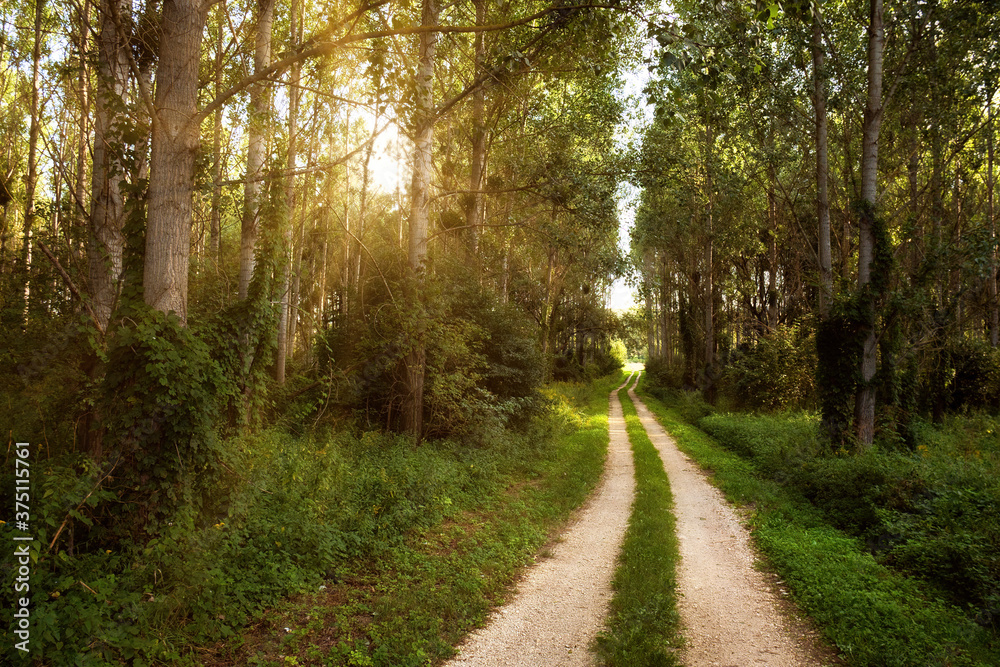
875,616
410,604
643,624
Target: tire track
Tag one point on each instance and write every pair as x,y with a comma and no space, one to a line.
562,601
730,615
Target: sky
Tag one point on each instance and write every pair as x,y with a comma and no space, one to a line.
638,115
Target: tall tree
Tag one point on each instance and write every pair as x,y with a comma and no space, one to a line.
260,108
864,412
423,137
175,142
107,210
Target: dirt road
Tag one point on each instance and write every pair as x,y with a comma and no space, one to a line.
731,616
561,603
730,613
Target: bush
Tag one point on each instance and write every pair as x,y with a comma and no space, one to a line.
777,373
933,513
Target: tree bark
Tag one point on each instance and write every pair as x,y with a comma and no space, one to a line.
991,282
83,82
416,359
215,231
34,129
477,171
864,408
292,159
107,212
822,169
260,106
174,145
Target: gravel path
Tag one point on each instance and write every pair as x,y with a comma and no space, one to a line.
561,602
730,613
732,616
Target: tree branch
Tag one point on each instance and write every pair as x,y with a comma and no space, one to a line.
71,285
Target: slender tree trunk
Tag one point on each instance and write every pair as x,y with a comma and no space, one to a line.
215,232
650,295
174,146
416,359
292,159
991,282
83,83
822,169
260,106
107,212
709,262
772,249
474,212
864,409
31,178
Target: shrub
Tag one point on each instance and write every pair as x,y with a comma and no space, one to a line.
933,513
778,372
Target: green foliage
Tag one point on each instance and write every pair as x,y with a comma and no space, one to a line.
289,512
618,353
414,591
483,366
160,400
643,626
777,372
930,513
873,614
839,347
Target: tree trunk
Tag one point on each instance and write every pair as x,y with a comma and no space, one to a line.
31,178
174,146
709,263
991,282
474,212
864,408
107,212
822,170
215,231
416,359
772,249
260,106
83,81
650,295
292,159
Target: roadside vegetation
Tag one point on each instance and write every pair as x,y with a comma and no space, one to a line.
893,553
643,627
391,552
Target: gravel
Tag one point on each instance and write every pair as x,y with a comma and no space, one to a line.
732,613
561,603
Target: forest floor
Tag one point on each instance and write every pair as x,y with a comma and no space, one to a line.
732,612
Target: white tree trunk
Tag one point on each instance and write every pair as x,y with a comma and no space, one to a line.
107,210
260,106
864,408
420,211
174,145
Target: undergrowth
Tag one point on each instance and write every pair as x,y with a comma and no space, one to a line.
643,626
408,546
410,603
875,615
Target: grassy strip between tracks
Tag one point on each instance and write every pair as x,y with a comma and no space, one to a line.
643,628
876,617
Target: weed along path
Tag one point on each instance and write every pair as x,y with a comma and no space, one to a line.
730,615
561,603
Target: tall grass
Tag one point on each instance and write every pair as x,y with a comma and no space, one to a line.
392,551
